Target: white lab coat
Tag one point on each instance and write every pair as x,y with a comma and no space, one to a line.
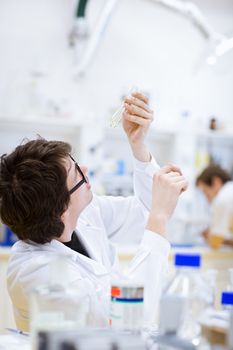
221,212
105,217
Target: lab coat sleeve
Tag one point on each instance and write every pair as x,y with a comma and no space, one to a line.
143,177
125,218
150,266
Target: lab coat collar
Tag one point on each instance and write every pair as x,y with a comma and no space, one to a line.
91,236
94,236
54,246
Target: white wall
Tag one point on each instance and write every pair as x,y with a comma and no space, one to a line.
157,49
144,44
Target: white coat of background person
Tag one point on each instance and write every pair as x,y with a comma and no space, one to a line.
97,219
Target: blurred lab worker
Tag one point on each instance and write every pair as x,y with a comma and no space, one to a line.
217,186
46,199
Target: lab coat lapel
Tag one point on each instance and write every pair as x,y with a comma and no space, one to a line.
96,241
84,262
93,239
90,265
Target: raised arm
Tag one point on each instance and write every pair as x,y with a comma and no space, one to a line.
151,261
136,121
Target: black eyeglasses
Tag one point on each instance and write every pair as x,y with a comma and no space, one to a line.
81,182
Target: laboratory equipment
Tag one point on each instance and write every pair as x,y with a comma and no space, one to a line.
189,283
117,116
230,285
172,316
98,339
218,44
227,303
126,307
58,305
95,36
217,325
210,276
172,310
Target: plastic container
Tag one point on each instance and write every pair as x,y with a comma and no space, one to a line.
126,307
230,284
189,284
227,304
210,276
57,305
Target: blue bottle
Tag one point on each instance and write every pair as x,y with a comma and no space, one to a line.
227,304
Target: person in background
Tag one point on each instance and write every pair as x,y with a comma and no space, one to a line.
217,186
46,199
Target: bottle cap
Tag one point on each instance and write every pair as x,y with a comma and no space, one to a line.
192,260
227,298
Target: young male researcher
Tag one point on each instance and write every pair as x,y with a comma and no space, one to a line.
46,199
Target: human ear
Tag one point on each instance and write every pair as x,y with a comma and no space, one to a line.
64,216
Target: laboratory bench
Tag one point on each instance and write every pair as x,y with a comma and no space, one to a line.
221,260
14,342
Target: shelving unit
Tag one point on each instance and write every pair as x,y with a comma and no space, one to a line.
176,146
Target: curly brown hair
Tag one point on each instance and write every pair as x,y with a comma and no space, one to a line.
33,189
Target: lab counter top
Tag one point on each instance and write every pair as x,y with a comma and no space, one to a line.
224,253
5,253
14,342
126,252
220,260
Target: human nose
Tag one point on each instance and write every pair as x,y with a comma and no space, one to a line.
84,169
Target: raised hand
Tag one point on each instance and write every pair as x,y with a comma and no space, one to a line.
168,184
137,117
